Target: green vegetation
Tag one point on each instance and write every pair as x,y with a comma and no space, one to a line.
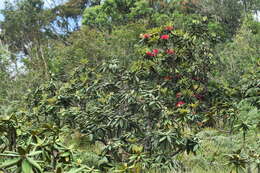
141,86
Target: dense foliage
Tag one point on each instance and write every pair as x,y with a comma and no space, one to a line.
141,86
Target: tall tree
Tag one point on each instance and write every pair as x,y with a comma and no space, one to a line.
25,31
228,12
24,24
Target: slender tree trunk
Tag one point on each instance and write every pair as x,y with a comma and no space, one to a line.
46,69
245,5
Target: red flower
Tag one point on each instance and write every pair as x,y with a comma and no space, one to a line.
170,51
150,53
168,78
165,37
146,35
169,28
178,95
155,51
180,103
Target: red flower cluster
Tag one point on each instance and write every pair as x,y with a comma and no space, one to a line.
146,36
169,28
165,37
149,53
153,53
168,77
180,103
170,51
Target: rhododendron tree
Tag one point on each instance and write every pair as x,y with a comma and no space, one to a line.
157,98
140,113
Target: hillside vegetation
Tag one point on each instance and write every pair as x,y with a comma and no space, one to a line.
130,86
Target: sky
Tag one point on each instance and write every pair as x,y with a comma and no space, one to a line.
1,4
1,7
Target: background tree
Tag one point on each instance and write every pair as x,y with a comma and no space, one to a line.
25,30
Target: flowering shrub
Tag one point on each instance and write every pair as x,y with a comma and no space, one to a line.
139,113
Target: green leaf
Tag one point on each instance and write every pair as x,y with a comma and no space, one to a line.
169,139
102,161
10,163
65,154
35,153
34,163
10,155
26,167
162,139
76,170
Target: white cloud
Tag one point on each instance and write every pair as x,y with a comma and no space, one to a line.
2,4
